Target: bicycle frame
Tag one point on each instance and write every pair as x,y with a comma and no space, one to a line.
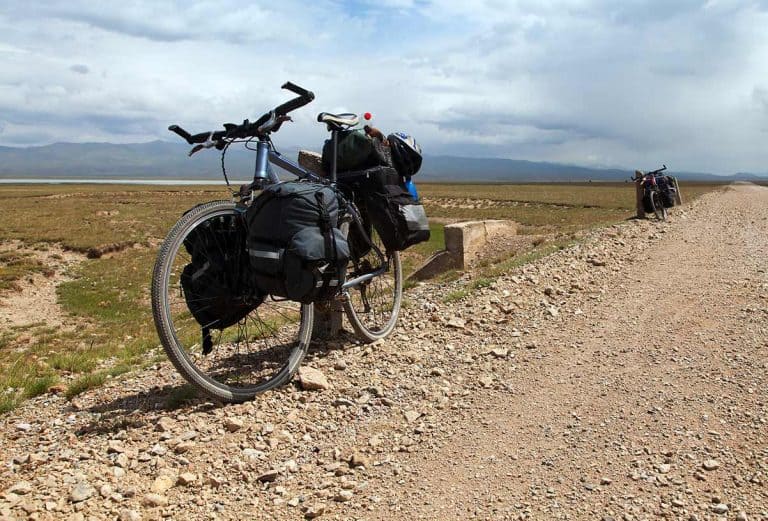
265,154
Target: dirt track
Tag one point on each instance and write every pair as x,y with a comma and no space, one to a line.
623,378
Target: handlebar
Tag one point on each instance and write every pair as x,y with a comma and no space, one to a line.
269,122
653,173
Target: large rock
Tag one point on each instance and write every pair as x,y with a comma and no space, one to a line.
312,379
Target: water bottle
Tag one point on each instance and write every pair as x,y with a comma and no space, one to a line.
411,187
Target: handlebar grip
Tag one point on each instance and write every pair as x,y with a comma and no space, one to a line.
301,91
181,132
293,104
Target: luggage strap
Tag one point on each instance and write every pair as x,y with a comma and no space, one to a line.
330,245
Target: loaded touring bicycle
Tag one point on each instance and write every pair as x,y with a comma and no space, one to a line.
235,281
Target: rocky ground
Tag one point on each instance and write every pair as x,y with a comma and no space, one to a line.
621,378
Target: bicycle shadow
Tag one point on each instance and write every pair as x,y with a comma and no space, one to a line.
142,408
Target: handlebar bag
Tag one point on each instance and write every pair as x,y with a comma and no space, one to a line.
295,247
398,217
217,287
356,151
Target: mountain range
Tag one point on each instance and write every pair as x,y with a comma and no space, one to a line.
167,160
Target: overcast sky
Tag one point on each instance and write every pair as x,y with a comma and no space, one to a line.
596,83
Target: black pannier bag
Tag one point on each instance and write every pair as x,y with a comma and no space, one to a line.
359,244
668,198
398,217
217,285
667,191
295,247
356,151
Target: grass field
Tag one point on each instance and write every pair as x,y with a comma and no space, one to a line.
541,207
108,296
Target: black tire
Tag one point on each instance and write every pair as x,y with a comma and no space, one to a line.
658,206
373,307
259,352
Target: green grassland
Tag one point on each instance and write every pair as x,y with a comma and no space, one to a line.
543,207
108,296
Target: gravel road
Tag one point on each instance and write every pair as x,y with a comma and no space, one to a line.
621,378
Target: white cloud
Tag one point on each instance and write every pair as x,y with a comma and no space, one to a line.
591,82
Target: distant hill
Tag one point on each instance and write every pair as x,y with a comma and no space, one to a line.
163,160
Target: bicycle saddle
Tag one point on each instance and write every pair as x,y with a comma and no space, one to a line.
338,120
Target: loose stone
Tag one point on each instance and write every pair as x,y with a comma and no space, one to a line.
233,424
343,496
129,515
154,500
314,511
81,492
312,379
268,476
186,479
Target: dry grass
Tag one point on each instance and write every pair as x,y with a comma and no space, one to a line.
109,297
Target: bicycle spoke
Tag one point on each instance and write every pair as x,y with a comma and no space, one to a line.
255,352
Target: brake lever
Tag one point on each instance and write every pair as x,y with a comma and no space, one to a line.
280,120
209,143
267,125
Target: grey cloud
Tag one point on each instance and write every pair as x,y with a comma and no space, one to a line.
228,21
27,136
563,81
645,13
491,124
141,28
80,69
760,97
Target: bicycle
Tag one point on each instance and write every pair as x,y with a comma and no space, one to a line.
653,199
264,347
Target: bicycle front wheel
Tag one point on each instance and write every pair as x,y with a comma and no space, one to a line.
374,306
260,350
658,206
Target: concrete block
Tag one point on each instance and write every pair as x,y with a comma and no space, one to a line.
438,263
466,240
678,193
328,320
500,227
312,161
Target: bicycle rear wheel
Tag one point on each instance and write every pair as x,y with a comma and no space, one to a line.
261,350
658,206
374,306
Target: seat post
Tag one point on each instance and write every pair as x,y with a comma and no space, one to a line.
334,156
